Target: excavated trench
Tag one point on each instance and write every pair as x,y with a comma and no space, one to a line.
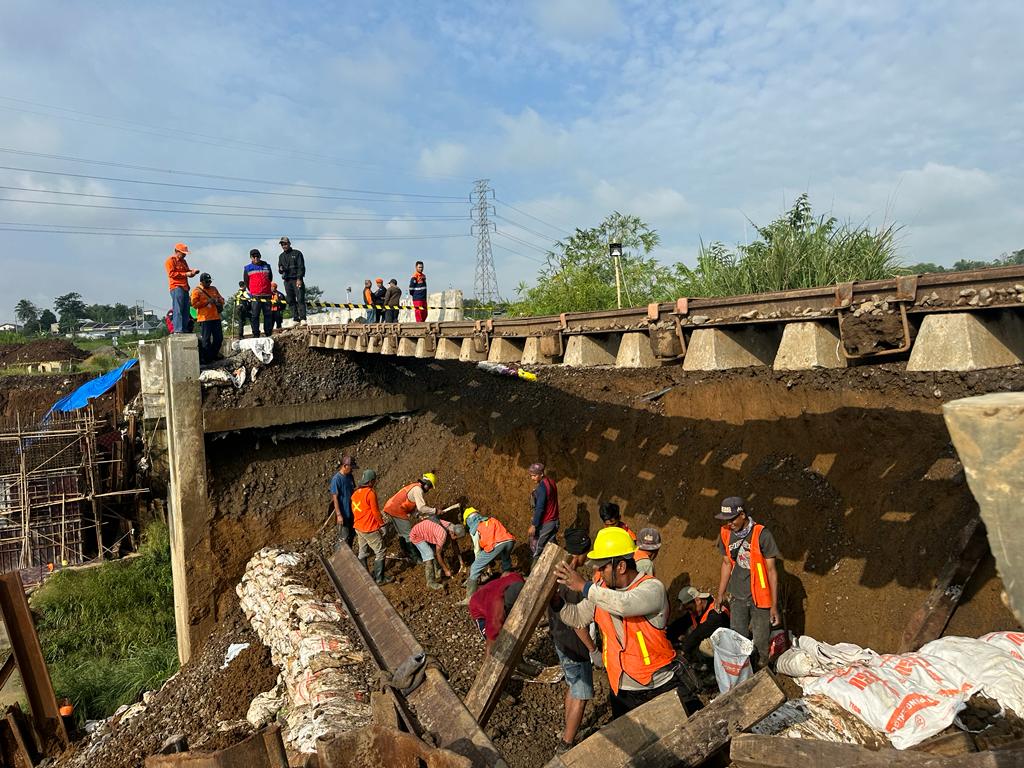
853,470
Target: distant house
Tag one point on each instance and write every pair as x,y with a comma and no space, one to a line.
89,329
10,328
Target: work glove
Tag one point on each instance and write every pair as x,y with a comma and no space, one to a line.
596,660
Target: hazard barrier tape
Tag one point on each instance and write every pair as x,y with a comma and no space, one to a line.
341,305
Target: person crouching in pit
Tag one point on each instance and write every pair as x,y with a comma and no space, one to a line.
429,537
495,542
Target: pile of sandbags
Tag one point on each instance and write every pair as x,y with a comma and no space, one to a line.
315,690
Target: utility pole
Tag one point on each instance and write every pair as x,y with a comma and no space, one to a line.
615,251
486,283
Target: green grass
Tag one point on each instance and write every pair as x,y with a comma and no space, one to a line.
108,632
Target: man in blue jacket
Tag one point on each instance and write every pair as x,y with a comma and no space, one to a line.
258,276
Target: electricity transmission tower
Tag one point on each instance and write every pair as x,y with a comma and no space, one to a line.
486,283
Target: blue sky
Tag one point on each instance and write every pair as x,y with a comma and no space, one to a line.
697,116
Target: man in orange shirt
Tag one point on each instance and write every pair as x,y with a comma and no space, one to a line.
208,303
178,273
369,526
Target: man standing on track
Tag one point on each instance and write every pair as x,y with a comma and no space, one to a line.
418,292
178,273
291,265
258,276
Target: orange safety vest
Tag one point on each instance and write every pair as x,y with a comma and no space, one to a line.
368,295
710,608
646,649
641,554
759,586
365,513
492,533
400,505
207,303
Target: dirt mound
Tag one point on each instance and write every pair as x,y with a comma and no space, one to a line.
40,351
297,375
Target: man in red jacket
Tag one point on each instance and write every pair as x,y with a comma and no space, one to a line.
258,277
490,604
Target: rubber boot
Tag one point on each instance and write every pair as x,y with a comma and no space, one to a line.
378,572
428,569
471,585
365,561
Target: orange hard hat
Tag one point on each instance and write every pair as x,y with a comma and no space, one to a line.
380,280
181,247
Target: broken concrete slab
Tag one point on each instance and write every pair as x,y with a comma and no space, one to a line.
532,354
809,345
584,351
635,352
406,347
469,354
447,349
964,341
988,433
506,350
717,349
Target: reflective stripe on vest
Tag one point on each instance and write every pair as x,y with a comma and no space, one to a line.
492,533
400,505
646,648
759,587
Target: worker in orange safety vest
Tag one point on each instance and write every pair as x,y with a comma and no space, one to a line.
748,552
409,503
631,610
495,542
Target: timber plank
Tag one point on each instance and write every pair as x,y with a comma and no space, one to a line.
498,666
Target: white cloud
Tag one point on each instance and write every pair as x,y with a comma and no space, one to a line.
446,158
577,20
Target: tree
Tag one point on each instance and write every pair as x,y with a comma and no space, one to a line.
580,275
71,308
27,313
46,320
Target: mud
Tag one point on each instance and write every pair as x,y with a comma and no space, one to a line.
40,351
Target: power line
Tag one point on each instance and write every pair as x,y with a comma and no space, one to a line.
520,241
72,229
560,230
517,253
534,232
199,174
395,217
187,213
194,136
204,188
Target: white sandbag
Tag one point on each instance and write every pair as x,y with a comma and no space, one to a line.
732,658
262,348
795,662
1011,642
993,670
828,657
909,697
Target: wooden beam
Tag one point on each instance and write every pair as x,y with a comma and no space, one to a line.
7,670
615,744
508,648
929,621
750,750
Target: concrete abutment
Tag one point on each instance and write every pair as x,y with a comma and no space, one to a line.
965,341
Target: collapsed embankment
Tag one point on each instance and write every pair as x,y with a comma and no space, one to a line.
852,469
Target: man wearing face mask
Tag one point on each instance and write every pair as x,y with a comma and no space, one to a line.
631,610
748,552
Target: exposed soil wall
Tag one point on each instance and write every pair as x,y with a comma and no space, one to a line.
853,470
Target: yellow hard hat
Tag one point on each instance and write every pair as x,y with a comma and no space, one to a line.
466,513
612,542
430,478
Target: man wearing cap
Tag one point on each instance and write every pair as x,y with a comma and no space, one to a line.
544,523
748,552
490,606
692,631
392,298
495,543
258,277
648,545
429,537
379,291
631,610
573,645
178,273
291,265
277,305
401,506
343,485
369,526
208,303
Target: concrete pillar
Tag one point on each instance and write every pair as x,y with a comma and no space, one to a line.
532,354
468,353
988,433
151,377
406,347
390,345
963,341
361,343
423,348
635,352
447,349
375,344
506,350
809,345
349,343
589,351
715,349
189,509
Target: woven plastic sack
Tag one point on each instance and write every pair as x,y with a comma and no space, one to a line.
993,670
1011,642
732,658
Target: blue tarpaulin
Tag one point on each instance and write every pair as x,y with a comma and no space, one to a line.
91,389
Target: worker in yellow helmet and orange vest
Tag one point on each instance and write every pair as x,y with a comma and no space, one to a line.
631,610
409,506
495,543
748,552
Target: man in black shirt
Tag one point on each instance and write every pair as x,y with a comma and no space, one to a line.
577,652
692,631
292,267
